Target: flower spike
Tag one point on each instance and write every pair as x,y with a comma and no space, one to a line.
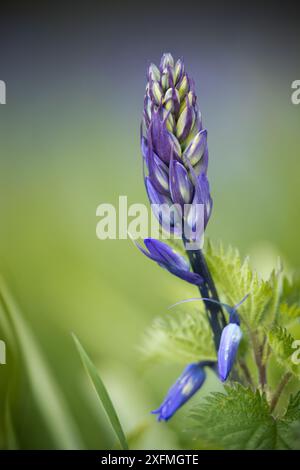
173,142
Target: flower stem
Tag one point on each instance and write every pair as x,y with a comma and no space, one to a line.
258,356
246,371
208,289
278,391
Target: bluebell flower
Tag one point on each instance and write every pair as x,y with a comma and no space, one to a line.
230,337
230,340
167,258
190,381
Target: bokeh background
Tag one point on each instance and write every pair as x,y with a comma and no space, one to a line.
69,140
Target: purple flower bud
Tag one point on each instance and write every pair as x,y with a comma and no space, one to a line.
202,165
175,147
166,61
179,70
185,122
168,259
201,196
181,187
158,173
167,78
163,141
170,123
190,381
147,109
172,100
144,148
230,340
155,92
153,73
183,86
168,214
195,149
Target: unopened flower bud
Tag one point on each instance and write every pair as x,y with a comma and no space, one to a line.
190,381
166,61
153,73
167,258
230,340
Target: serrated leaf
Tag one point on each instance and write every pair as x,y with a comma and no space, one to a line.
235,278
101,393
293,410
291,312
240,420
291,290
182,337
289,307
281,343
288,425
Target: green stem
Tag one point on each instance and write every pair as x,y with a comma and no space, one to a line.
261,366
208,289
285,379
246,372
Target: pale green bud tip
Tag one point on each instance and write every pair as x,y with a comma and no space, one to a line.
153,73
166,61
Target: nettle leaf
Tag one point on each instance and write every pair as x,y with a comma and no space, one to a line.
181,337
241,419
289,424
281,343
289,308
235,278
290,312
293,410
291,290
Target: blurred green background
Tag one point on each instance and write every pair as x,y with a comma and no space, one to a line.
69,140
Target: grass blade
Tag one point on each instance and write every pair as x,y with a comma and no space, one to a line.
46,391
101,393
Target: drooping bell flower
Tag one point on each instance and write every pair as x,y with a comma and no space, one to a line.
167,258
174,146
230,337
189,382
230,340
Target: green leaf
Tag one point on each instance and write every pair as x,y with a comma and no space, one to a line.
240,419
101,393
291,312
46,391
281,343
293,410
180,337
289,424
235,278
289,308
291,290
